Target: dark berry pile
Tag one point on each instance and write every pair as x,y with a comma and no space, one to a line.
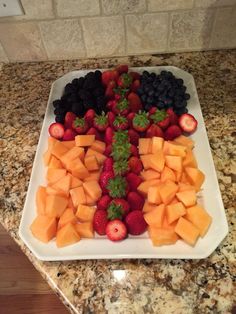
80,95
163,91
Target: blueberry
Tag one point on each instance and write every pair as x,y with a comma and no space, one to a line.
187,96
69,88
57,103
81,82
145,74
99,91
180,82
98,74
150,100
143,98
153,75
160,105
151,92
75,82
163,73
155,84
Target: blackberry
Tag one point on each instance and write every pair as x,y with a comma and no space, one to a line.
57,103
59,118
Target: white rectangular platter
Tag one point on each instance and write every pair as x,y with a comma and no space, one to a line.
139,246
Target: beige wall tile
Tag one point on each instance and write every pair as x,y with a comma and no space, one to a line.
22,41
66,8
224,30
63,39
165,5
147,33
37,9
123,6
190,30
3,57
104,36
213,3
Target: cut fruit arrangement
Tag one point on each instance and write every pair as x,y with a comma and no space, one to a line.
119,162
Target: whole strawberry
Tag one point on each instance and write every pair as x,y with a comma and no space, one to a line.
124,80
135,165
135,86
135,222
80,125
133,150
109,133
100,221
133,180
154,130
120,123
122,68
140,121
111,103
111,118
130,117
135,200
173,116
117,209
121,167
135,103
104,180
93,131
104,202
108,150
160,118
69,119
117,186
109,93
116,230
101,122
108,164
69,135
133,137
121,151
121,107
172,132
152,110
89,116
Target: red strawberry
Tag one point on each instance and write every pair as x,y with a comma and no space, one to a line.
117,209
69,135
89,116
110,104
124,80
135,200
133,181
121,167
134,102
107,77
173,116
188,123
172,132
135,86
122,68
109,93
100,221
120,123
130,117
135,75
121,107
141,121
152,110
104,179
69,118
108,164
116,230
135,165
133,136
104,202
154,130
108,150
93,131
101,122
56,130
135,222
80,125
111,118
161,118
114,75
133,150
108,135
117,187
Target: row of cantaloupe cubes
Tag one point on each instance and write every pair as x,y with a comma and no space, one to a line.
65,207
171,181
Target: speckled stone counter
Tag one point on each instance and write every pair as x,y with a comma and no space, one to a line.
145,286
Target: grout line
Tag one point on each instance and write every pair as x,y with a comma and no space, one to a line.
5,52
213,27
101,8
125,33
83,37
168,29
43,43
54,9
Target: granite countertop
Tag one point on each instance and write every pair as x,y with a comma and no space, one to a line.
145,286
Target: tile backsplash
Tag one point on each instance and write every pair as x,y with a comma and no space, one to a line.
70,29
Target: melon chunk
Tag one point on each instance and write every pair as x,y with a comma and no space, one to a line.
187,231
84,140
176,150
67,235
144,146
174,211
53,175
78,196
67,217
52,191
99,146
154,195
41,195
85,213
156,216
185,187
157,144
147,207
89,200
144,186
74,182
93,176
200,218
91,163
44,228
150,175
195,176
85,229
100,157
188,198
185,141
59,149
146,161
55,163
69,144
167,191
189,160
63,185
162,236
78,169
55,205
167,174
92,188
157,161
47,157
174,162
73,153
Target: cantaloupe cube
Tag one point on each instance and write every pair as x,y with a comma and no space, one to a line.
147,207
174,201
100,157
167,191
157,144
67,217
69,144
78,169
176,150
189,160
167,174
155,217
85,229
157,161
154,195
55,163
162,236
199,217
99,146
67,235
89,200
150,175
166,225
188,198
84,140
174,211
184,179
55,205
91,163
78,196
44,228
195,176
185,187
144,186
174,162
52,191
74,182
165,148
92,188
59,149
178,175
187,231
53,175
146,161
71,205
41,195
185,141
144,146
51,142
93,176
63,185
47,157
85,213
73,153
